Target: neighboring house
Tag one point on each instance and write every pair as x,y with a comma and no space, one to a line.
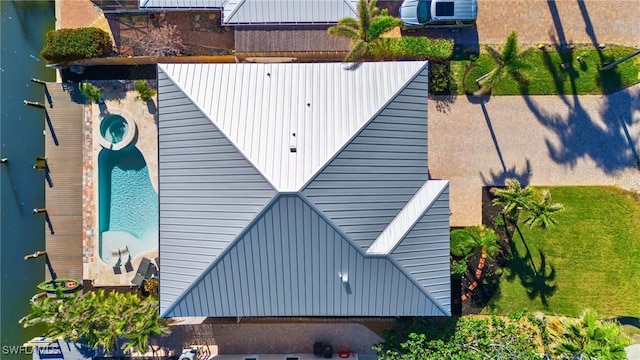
252,12
299,190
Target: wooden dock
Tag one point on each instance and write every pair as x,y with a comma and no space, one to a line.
64,153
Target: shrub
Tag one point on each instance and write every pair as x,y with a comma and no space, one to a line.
66,45
151,286
472,74
459,267
92,93
440,80
422,47
161,41
146,92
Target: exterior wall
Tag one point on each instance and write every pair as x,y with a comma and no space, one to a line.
367,184
208,192
287,264
424,252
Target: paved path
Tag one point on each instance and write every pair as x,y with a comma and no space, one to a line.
561,21
541,140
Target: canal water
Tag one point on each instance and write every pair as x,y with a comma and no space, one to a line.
24,25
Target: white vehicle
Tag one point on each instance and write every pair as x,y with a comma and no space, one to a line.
417,14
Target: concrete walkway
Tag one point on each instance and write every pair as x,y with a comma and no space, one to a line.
540,140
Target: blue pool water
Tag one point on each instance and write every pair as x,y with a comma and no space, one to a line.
114,128
128,203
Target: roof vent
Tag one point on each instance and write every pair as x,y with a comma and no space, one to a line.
292,144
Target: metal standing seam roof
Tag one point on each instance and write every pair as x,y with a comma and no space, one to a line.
186,4
265,109
245,12
360,167
407,218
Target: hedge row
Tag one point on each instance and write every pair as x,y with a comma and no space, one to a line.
422,47
75,44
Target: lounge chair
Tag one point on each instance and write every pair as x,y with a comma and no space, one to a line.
124,253
116,261
141,273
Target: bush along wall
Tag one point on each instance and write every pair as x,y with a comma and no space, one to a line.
66,45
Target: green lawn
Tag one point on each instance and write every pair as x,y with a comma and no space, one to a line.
546,75
591,257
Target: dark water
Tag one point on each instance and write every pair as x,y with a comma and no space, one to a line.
24,24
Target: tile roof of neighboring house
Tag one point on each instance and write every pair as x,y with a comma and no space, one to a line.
245,203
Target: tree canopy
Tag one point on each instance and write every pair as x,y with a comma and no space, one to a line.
99,319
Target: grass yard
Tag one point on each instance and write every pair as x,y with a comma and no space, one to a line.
546,76
590,259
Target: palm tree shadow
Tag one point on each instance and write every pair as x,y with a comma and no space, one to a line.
352,66
610,145
538,281
499,178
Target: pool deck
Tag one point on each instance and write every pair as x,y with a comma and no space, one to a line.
119,98
64,199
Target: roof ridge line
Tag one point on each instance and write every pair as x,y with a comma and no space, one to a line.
406,220
277,196
348,3
233,11
224,134
364,126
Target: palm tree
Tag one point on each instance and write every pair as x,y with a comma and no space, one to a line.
366,30
508,61
98,319
513,198
468,241
587,337
542,212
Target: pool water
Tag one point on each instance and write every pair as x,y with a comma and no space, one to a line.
128,203
114,128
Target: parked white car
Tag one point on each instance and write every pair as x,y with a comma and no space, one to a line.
417,14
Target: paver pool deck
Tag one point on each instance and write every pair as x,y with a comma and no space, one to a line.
540,140
119,98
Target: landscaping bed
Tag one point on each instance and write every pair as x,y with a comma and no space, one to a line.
546,74
589,259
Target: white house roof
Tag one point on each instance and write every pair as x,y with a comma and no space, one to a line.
239,209
266,109
177,4
407,218
246,12
287,11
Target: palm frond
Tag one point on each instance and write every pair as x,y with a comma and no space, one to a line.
364,18
358,50
494,54
350,22
373,8
510,50
381,25
345,32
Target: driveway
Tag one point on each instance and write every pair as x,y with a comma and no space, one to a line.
549,22
540,140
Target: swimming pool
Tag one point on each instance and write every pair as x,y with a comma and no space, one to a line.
128,203
114,128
